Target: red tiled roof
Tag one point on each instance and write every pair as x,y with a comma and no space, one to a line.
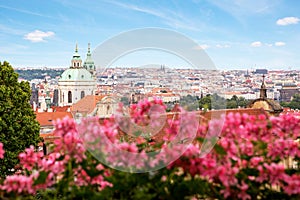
86,104
47,118
217,113
60,108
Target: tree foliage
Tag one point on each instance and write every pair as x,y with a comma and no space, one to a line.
18,126
39,73
217,102
236,102
294,104
189,102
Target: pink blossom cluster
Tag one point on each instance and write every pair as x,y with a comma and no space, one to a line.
68,150
1,151
70,143
18,184
102,141
255,149
30,158
141,109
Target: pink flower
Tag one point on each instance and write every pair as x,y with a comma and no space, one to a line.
30,158
293,184
242,194
1,151
18,184
255,161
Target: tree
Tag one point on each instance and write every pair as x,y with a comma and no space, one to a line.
205,102
236,102
213,101
18,126
294,104
189,102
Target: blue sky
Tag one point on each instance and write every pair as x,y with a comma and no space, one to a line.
236,34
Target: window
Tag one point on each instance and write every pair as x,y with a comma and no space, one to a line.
107,109
69,76
69,97
82,94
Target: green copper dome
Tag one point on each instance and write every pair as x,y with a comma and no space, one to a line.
76,74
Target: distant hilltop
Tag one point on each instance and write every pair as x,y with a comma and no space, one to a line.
29,74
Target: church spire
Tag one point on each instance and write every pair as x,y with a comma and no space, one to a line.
76,48
76,60
89,63
89,48
263,89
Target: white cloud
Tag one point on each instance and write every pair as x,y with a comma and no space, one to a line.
287,21
38,36
256,44
222,46
202,47
279,44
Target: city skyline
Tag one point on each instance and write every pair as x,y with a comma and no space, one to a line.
234,34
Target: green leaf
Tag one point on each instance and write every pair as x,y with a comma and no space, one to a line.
42,178
220,150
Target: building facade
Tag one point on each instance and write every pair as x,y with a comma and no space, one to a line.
76,82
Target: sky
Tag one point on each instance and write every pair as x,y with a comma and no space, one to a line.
235,34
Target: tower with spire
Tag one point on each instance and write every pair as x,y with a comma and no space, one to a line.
76,61
263,89
89,63
270,106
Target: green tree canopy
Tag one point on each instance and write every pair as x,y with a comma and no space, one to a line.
236,102
294,104
18,126
217,102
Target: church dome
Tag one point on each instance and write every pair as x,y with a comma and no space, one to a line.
76,74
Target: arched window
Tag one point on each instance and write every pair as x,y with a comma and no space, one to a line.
69,97
107,109
82,94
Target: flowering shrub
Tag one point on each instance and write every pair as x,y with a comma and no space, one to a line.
253,158
67,172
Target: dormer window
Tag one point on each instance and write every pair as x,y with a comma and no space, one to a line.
69,76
